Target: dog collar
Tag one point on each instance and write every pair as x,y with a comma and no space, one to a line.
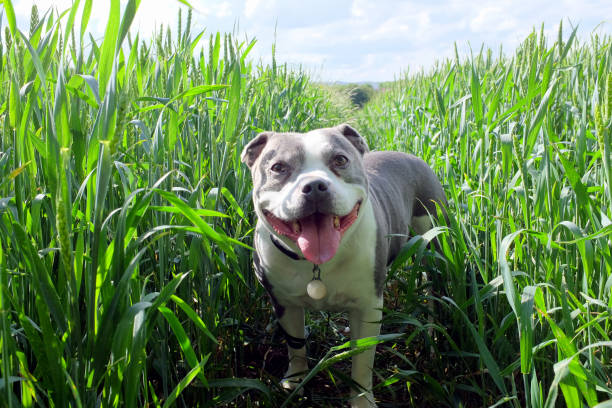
316,288
281,247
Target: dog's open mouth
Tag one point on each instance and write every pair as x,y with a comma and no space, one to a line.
318,235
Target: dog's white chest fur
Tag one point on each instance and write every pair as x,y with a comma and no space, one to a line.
348,278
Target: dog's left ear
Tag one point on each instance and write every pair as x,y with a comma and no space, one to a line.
354,137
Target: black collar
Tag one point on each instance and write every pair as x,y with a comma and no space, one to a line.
281,247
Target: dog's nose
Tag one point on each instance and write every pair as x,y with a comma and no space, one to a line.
315,187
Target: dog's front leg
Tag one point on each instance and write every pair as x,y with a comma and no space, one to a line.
292,322
364,323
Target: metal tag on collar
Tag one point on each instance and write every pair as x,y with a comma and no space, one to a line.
316,288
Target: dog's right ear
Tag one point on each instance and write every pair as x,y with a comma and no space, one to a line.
354,137
253,149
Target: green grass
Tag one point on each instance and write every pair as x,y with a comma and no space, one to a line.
522,145
125,258
125,223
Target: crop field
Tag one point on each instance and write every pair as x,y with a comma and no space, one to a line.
126,222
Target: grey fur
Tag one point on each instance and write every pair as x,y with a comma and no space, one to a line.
395,180
353,136
267,149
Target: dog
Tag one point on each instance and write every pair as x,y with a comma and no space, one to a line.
331,216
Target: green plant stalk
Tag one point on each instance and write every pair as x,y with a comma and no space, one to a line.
603,139
63,215
7,353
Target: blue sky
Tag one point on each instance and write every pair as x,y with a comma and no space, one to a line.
360,40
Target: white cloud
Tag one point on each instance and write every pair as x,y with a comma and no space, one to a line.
358,8
378,40
250,7
354,40
223,10
493,18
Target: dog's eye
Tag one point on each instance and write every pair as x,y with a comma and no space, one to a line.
278,168
340,161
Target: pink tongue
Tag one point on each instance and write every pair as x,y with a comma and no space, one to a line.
319,239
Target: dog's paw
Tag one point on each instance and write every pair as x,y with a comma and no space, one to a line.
291,383
363,401
298,367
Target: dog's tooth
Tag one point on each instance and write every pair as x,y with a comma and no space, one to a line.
296,227
336,221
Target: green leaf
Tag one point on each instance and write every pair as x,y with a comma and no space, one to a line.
41,279
107,56
183,340
184,383
476,98
354,346
233,203
69,24
485,354
576,384
244,384
584,200
93,85
40,71
85,17
568,44
585,247
10,17
536,120
504,267
193,316
192,216
231,125
525,320
123,332
128,16
14,104
185,2
196,90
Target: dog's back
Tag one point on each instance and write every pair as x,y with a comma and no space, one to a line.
394,179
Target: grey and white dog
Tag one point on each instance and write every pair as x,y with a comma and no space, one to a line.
331,216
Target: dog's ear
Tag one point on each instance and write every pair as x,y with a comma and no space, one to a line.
253,149
354,137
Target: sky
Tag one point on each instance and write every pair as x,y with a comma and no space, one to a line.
361,40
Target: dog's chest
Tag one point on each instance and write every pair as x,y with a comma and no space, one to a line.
348,278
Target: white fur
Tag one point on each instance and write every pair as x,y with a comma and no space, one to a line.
348,276
284,203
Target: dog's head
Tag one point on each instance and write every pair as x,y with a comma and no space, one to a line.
309,187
